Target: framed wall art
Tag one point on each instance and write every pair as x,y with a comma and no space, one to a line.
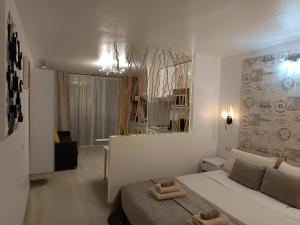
26,72
14,77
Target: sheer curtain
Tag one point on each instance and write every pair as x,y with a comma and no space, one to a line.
62,116
93,107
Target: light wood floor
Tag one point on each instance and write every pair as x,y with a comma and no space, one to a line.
75,197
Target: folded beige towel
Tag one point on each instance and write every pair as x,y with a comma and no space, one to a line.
175,194
190,222
168,183
165,190
220,220
213,213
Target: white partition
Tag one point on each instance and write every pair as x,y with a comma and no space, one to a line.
42,121
143,157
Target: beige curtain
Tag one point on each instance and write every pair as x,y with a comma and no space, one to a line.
62,101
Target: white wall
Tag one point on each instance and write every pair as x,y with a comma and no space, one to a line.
206,85
230,92
142,157
14,150
42,104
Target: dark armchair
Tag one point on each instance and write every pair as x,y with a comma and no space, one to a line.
66,152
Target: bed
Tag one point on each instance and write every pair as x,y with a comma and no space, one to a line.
248,206
204,190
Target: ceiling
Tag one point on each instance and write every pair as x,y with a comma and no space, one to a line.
73,34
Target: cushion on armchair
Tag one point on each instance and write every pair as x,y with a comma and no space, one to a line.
56,137
64,136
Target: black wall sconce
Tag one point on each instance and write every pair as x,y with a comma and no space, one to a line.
227,116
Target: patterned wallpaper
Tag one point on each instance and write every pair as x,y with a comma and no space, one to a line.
270,105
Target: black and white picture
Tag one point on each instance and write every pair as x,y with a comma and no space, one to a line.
14,78
270,105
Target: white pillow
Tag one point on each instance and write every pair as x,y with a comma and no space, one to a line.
251,158
289,169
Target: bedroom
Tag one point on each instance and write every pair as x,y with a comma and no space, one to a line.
243,59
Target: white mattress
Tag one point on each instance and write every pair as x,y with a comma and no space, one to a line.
248,206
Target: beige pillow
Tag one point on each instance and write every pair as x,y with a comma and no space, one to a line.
284,187
289,169
247,174
251,158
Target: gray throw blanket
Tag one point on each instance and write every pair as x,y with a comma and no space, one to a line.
141,208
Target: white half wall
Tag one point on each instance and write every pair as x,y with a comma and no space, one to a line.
230,91
144,157
14,150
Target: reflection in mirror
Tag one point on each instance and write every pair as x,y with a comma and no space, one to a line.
155,95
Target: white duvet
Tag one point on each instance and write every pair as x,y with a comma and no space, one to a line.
248,206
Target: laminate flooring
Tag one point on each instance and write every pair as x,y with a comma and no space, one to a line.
73,197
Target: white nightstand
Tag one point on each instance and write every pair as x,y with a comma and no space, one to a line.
212,163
